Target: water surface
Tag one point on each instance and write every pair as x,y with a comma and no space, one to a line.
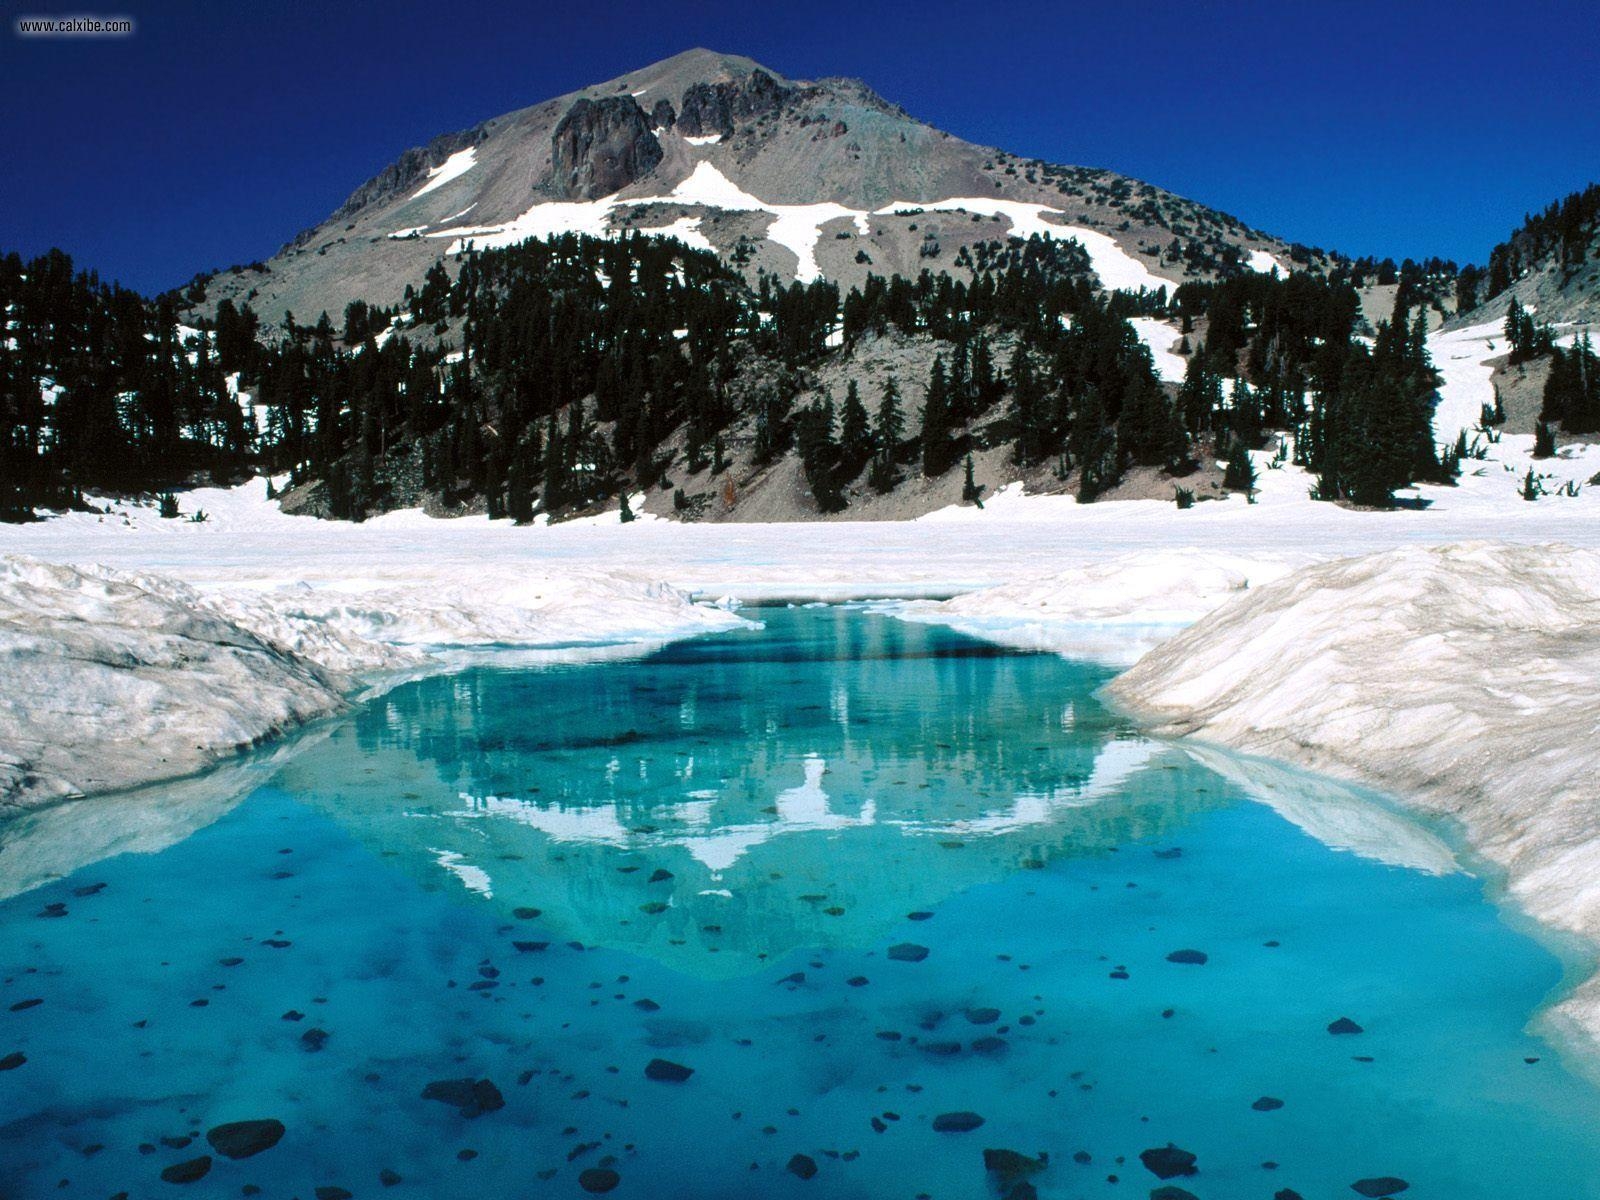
549,878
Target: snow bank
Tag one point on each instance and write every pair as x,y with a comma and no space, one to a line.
1110,611
110,679
1460,678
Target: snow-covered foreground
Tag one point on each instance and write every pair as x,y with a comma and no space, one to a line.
1112,611
110,679
1460,678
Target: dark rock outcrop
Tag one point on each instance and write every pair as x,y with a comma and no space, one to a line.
710,108
600,147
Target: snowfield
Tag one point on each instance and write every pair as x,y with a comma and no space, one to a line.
1461,678
1111,611
796,227
111,679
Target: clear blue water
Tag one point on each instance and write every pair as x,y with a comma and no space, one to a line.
807,787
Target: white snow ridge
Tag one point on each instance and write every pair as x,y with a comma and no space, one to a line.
111,679
1460,678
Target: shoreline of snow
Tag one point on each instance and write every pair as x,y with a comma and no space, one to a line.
113,679
1458,679
1112,611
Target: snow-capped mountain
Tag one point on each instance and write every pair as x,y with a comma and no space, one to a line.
796,178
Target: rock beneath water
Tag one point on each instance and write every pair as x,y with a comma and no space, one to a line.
389,1178
908,952
314,1039
1344,1025
1195,958
330,1192
1168,1162
473,1097
983,1016
1380,1185
1169,1192
1287,1194
598,1180
12,1061
802,1165
241,1139
187,1172
1011,1166
956,1122
664,1071
1267,1104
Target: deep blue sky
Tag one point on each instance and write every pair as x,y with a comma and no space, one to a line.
220,129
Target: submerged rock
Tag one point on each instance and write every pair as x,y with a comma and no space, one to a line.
1267,1104
12,1061
1012,1166
1191,957
598,1180
956,1122
1168,1162
241,1139
908,952
802,1165
1171,1192
1379,1186
190,1171
665,1071
472,1097
1344,1025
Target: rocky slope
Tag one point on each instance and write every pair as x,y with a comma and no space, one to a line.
789,176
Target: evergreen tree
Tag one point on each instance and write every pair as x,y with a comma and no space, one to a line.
886,438
935,436
971,491
855,435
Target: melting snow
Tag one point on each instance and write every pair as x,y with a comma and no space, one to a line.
457,165
1160,337
1264,263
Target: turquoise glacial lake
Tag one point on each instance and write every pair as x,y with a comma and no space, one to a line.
828,908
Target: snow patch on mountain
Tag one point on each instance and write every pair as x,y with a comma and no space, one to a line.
1265,263
454,167
1159,338
1461,356
1460,678
795,227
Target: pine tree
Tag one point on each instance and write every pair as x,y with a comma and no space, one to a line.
1544,440
855,435
935,436
886,438
1240,473
971,491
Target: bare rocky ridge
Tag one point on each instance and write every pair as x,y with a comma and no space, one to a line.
783,141
602,146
